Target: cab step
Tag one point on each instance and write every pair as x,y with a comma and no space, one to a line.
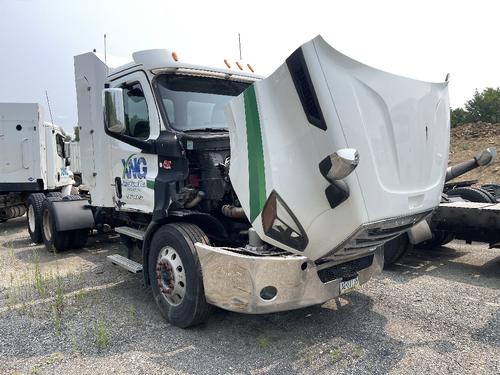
131,232
128,264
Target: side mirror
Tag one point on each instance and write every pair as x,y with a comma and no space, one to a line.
114,111
486,157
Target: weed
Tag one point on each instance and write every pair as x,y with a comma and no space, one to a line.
36,370
101,333
133,314
358,352
54,357
72,337
10,250
335,354
263,341
80,295
40,282
59,299
56,319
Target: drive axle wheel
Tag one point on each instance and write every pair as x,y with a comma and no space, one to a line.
53,239
175,274
34,216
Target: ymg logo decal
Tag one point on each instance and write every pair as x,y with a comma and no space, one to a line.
134,167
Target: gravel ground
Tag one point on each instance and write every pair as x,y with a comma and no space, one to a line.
74,313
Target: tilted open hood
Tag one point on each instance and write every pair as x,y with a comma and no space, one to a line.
321,101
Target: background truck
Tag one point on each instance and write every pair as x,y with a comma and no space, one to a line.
468,211
254,195
33,163
75,164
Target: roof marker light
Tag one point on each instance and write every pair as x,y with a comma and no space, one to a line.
239,65
174,56
251,68
227,64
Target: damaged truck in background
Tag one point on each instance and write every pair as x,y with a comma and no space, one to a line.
254,195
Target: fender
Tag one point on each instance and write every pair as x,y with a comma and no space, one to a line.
72,214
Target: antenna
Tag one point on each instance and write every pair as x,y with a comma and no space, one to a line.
105,62
239,44
48,104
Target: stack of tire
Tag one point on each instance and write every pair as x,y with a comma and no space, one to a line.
42,227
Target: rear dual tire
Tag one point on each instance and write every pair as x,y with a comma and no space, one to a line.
55,240
34,216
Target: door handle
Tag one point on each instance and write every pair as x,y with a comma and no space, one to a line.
118,187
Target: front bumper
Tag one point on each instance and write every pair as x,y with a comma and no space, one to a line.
234,281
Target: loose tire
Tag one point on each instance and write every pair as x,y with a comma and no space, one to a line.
175,274
53,239
473,194
396,248
34,216
55,194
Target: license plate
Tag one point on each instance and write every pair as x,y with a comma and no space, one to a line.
347,286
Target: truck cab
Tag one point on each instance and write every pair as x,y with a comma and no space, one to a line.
34,157
254,195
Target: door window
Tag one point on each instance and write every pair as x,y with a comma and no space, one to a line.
136,111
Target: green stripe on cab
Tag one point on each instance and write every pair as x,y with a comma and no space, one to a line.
256,174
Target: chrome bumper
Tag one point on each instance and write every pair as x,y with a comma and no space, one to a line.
234,281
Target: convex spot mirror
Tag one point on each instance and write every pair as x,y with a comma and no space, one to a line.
114,112
340,164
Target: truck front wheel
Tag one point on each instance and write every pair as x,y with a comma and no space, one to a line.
34,215
175,273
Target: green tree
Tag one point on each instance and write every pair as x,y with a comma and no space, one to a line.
484,106
76,129
459,116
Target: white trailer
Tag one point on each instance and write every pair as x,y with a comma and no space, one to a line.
33,162
254,195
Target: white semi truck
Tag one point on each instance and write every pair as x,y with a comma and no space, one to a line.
254,195
33,163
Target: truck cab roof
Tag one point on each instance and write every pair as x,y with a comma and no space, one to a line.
163,60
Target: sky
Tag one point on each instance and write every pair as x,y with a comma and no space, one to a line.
418,39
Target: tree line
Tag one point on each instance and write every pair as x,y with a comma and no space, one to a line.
484,106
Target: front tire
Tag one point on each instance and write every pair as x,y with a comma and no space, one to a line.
175,274
34,216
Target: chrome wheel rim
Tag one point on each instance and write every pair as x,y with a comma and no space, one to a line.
31,218
171,276
47,229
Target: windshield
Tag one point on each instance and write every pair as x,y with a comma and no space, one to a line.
194,103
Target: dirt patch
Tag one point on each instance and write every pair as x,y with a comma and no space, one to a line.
469,139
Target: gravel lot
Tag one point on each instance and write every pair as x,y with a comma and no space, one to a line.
434,312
